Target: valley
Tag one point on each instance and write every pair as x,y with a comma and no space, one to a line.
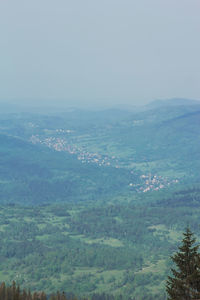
96,202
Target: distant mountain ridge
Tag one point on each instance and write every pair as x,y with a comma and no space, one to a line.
172,102
59,107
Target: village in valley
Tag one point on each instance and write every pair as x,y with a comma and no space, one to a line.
60,141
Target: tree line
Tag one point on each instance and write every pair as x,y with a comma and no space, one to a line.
14,292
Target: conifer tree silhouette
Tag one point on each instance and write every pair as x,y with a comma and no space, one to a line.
185,282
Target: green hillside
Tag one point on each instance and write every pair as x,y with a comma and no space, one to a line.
115,249
33,174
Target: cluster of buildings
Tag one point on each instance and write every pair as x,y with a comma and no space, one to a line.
61,144
153,183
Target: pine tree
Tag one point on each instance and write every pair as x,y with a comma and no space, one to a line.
185,283
2,291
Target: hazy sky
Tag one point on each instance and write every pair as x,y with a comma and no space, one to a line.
99,51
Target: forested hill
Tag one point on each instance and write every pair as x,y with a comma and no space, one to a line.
34,174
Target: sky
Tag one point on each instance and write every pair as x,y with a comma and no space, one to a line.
95,52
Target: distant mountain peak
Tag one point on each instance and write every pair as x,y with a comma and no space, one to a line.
173,102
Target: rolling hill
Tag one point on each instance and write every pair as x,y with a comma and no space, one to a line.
34,174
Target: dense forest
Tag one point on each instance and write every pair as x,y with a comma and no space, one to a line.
184,282
117,249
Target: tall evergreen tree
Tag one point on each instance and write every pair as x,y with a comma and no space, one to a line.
185,282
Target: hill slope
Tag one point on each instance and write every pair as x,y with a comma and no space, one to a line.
35,174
